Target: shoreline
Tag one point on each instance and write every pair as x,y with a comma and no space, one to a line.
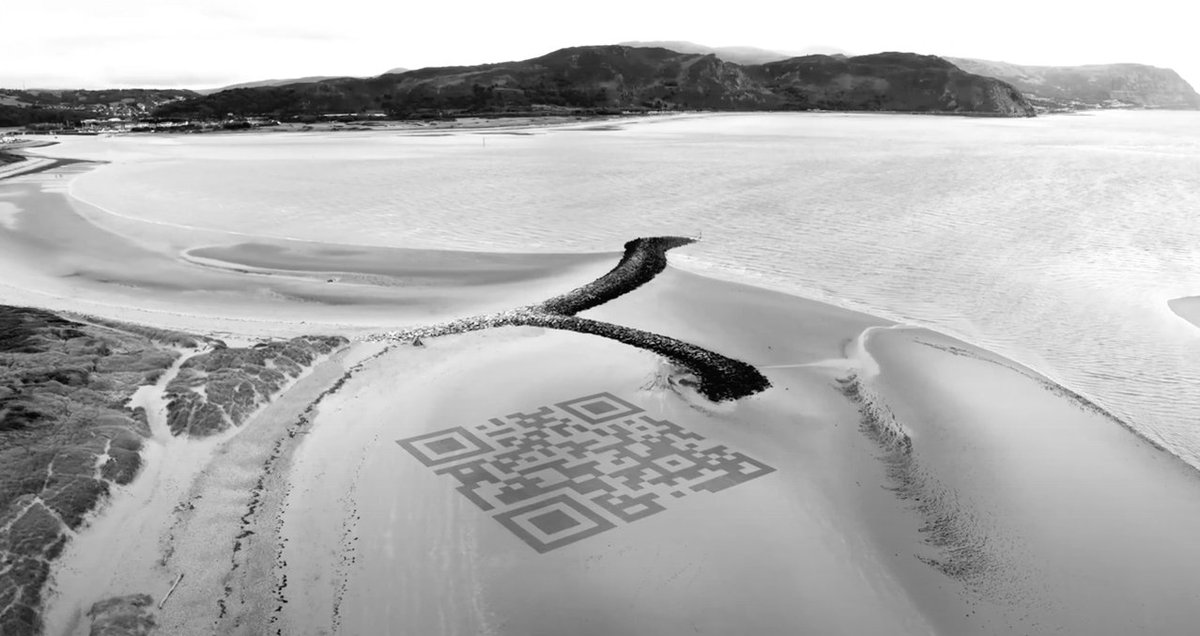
633,307
14,161
314,514
239,259
71,258
233,256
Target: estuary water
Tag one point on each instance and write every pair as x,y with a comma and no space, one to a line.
1056,241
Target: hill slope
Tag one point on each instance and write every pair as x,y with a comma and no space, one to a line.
889,81
69,106
1094,85
623,77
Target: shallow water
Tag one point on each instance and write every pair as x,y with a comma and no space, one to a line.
1056,241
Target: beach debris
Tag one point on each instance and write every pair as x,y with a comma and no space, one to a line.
170,591
416,342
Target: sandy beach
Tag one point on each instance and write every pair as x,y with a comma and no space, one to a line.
24,164
529,481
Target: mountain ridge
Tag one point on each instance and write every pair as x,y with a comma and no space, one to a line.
617,77
1120,85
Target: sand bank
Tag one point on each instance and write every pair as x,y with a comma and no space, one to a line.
1014,508
356,510
25,163
377,496
408,267
24,167
1187,308
407,553
1054,517
63,254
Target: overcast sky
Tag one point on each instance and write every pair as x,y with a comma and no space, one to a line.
210,43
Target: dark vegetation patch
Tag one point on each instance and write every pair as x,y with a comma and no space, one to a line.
25,330
66,436
164,336
222,388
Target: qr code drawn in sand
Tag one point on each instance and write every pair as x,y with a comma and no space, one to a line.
566,472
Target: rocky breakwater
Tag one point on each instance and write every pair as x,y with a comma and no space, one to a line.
222,388
716,377
66,437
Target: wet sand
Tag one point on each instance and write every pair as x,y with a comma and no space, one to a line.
60,253
407,267
1017,510
1187,308
1011,508
1059,519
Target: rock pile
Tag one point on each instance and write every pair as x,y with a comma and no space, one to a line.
719,377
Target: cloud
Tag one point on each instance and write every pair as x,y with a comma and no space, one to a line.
171,79
178,42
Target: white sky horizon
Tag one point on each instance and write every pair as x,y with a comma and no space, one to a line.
173,44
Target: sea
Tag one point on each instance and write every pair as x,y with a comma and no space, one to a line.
1056,241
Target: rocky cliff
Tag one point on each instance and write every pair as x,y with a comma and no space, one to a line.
623,78
1091,86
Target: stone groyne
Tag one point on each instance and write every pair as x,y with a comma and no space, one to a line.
718,377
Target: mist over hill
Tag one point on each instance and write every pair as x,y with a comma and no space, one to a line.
271,82
1091,86
738,54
